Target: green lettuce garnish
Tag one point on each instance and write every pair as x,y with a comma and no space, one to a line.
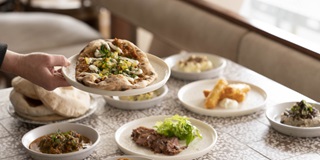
178,126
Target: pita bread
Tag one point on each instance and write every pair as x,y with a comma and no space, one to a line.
24,87
48,118
28,106
65,101
115,65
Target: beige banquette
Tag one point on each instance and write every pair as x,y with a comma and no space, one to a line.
179,25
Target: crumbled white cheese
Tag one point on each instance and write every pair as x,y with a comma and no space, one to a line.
129,79
116,48
97,53
137,72
133,61
107,45
93,68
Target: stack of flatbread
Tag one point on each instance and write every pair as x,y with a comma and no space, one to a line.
35,103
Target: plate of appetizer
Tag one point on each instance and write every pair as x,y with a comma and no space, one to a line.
137,102
116,67
40,120
195,66
147,136
299,118
222,98
53,141
33,104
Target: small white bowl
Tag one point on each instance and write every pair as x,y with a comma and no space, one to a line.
86,131
115,101
273,114
219,64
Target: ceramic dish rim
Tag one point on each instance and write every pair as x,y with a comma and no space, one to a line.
271,108
165,91
153,86
121,129
59,155
222,64
230,112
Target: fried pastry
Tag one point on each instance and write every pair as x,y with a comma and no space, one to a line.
223,90
214,96
237,92
206,92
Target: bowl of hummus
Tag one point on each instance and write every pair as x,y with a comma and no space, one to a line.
298,118
195,66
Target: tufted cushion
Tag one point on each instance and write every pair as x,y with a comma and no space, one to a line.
282,64
28,32
180,25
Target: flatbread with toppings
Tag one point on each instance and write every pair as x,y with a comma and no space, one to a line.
114,65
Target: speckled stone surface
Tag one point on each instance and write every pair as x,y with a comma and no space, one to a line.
247,137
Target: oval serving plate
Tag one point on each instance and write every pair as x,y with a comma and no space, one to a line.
137,105
197,148
218,63
273,114
158,64
191,96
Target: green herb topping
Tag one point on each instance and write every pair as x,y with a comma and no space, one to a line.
302,110
111,61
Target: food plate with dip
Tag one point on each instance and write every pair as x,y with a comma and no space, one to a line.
83,130
196,148
192,72
192,98
274,112
138,102
158,64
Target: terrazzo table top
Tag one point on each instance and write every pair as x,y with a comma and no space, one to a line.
245,137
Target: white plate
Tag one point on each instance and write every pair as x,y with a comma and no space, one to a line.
93,106
191,96
86,131
129,158
273,114
196,148
158,64
136,105
219,64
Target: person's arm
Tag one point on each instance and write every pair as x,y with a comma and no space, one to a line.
37,67
9,63
3,50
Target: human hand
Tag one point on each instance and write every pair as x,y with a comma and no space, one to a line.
40,68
